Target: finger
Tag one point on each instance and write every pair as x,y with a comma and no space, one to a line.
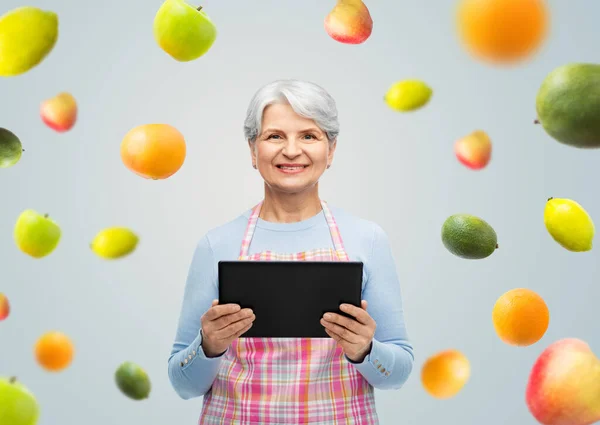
364,304
333,335
342,332
234,328
217,311
350,324
224,321
214,303
361,315
244,330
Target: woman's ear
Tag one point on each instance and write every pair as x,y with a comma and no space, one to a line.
332,146
252,146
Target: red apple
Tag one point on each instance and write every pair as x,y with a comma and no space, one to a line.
564,384
349,22
4,307
474,150
59,112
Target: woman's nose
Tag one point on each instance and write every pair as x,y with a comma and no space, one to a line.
291,148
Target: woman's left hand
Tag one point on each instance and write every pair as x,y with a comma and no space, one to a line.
354,336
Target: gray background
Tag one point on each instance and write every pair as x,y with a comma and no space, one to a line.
398,170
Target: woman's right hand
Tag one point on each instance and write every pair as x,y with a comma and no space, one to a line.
221,325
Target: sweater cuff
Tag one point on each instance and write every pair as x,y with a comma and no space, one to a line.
195,351
378,363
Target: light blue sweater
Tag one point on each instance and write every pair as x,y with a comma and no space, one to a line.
390,361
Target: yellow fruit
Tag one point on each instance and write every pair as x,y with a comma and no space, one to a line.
444,374
27,35
114,242
569,224
520,317
408,95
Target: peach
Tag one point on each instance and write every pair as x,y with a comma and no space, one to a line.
564,384
349,22
4,307
474,150
59,112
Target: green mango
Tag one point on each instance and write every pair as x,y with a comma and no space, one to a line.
568,105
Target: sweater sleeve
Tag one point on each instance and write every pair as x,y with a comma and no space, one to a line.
191,373
390,361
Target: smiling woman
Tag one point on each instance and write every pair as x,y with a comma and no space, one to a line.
291,129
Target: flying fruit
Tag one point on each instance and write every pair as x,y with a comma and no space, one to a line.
349,22
114,242
569,224
27,35
153,151
54,351
133,381
59,112
564,384
182,31
407,95
474,150
11,148
18,404
444,374
469,237
35,234
4,307
567,105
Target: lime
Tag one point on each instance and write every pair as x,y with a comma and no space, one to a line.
10,148
133,381
469,237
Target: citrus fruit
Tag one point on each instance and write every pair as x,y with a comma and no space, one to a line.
35,234
502,31
18,405
114,242
520,317
133,381
27,35
54,351
10,148
569,224
153,151
444,374
4,307
469,237
407,95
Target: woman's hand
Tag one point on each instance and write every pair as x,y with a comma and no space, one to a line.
221,324
354,336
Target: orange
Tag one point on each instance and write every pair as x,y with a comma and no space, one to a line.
54,351
521,317
503,31
444,374
153,151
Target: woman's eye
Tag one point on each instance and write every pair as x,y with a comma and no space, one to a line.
310,135
273,136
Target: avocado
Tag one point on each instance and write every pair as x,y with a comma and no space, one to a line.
568,105
469,237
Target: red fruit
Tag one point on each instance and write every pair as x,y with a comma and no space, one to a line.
474,150
59,112
4,307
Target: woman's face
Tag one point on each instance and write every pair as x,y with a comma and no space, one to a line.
291,153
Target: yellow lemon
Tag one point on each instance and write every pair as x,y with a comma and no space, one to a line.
569,224
408,95
114,242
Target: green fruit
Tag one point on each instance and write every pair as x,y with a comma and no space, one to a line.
10,148
182,31
114,242
133,381
469,237
568,105
407,95
18,405
36,234
27,35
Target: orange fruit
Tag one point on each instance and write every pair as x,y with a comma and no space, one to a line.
521,317
503,31
54,351
153,151
444,374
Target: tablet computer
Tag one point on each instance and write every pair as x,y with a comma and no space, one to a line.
289,298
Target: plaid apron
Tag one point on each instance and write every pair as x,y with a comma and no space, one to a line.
289,380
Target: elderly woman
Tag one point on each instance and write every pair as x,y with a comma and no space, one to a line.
291,128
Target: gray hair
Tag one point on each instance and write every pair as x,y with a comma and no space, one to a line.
307,99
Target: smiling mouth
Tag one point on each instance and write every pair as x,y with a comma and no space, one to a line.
291,167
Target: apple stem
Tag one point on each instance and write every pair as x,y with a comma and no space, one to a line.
12,379
496,246
45,215
199,8
549,199
536,122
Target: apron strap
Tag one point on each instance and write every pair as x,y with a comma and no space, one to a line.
336,237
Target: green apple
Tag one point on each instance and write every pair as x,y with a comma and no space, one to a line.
182,31
35,234
18,405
